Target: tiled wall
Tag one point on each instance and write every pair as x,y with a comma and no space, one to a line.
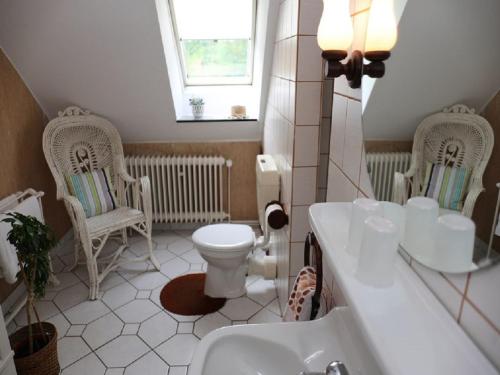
292,126
472,299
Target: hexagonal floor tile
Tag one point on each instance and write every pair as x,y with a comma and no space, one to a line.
164,238
264,316
71,296
119,295
61,323
174,268
70,350
122,351
240,308
149,280
178,351
209,323
149,364
180,247
86,312
193,256
156,330
262,291
137,311
46,310
89,365
140,247
102,330
66,279
164,256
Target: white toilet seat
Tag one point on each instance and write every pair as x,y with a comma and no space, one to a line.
224,240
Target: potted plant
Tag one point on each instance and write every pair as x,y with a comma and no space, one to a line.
197,106
35,346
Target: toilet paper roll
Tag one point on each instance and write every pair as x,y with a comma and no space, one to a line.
275,216
362,208
378,252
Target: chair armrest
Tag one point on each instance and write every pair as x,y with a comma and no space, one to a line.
470,201
141,192
77,216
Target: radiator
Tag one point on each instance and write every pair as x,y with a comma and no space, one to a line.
381,168
185,189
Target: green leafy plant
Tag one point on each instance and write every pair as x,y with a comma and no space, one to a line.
196,100
33,240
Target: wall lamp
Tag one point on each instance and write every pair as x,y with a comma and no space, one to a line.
335,36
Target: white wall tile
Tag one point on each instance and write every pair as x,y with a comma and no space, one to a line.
337,137
483,334
448,296
300,223
308,104
483,293
340,189
296,257
325,131
353,144
310,62
306,146
310,14
304,185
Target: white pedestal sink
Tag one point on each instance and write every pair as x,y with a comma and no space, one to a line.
284,348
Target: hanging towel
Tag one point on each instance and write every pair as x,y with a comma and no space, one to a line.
8,257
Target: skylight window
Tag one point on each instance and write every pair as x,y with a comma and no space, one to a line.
215,40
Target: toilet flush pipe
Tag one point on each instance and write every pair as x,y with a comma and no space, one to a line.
275,219
261,264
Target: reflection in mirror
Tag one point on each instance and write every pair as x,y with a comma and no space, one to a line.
430,130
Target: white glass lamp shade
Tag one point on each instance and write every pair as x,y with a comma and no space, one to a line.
382,32
421,217
335,27
378,252
454,245
362,208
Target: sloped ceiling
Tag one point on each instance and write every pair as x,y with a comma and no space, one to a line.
448,52
106,56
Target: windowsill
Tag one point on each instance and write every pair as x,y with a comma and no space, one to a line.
213,119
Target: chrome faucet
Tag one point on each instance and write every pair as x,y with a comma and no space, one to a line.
334,368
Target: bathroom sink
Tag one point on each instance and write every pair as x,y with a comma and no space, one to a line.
284,348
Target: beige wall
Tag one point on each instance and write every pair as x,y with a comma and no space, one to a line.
243,179
472,299
23,164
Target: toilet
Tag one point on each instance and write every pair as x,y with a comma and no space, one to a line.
225,247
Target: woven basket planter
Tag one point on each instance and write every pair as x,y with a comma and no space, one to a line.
197,110
42,362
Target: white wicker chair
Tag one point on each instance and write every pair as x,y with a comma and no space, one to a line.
457,137
75,142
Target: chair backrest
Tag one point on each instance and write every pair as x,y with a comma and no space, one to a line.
76,142
454,137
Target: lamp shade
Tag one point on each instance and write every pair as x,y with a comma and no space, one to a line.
335,27
382,32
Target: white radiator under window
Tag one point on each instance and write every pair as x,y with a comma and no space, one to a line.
185,189
381,168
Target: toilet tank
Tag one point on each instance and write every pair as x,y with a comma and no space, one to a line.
268,183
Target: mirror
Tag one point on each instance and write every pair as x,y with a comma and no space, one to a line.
430,124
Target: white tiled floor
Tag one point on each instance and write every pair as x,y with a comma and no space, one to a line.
127,331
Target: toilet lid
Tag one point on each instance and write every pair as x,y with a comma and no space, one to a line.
224,237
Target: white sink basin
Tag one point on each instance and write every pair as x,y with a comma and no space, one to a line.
284,348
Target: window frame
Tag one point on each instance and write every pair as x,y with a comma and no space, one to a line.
232,81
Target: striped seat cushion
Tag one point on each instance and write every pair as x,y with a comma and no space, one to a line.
447,185
94,191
